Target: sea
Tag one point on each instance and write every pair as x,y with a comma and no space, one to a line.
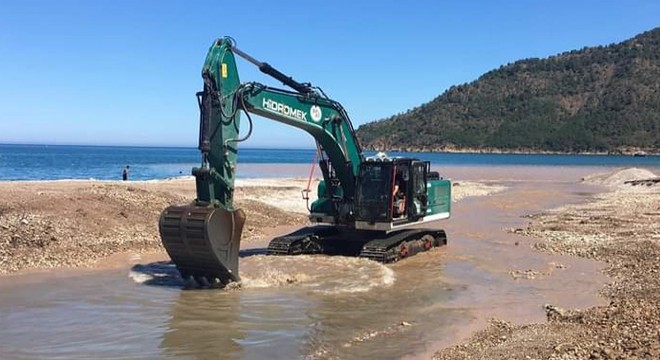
60,162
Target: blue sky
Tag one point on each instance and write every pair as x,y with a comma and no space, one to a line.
126,72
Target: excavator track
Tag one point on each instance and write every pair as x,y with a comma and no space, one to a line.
403,244
380,247
308,240
294,245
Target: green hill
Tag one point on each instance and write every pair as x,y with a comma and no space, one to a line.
598,99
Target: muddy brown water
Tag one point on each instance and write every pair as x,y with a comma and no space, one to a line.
314,306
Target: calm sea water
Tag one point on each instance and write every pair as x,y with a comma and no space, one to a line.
53,162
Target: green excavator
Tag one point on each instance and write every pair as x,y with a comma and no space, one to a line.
366,206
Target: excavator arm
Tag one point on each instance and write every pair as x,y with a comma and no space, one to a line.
203,238
322,118
305,108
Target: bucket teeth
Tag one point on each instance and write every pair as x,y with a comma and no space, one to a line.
203,242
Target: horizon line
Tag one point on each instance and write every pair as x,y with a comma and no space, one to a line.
151,146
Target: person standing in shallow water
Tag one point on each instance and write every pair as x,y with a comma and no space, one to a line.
124,173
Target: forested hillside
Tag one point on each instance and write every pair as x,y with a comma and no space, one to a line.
600,99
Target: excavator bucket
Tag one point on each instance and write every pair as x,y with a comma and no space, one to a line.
203,242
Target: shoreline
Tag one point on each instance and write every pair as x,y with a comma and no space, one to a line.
637,152
627,150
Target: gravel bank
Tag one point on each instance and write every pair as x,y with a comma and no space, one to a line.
49,224
74,223
620,227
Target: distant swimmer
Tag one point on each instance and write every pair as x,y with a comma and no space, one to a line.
124,173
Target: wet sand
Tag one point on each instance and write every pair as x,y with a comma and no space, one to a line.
318,307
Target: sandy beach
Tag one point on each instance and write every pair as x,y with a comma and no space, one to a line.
76,224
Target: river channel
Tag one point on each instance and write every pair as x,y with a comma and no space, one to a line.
312,307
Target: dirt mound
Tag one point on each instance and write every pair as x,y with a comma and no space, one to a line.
619,177
74,223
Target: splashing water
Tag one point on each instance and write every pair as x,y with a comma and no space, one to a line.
318,273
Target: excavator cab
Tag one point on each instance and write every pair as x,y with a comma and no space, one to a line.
391,192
